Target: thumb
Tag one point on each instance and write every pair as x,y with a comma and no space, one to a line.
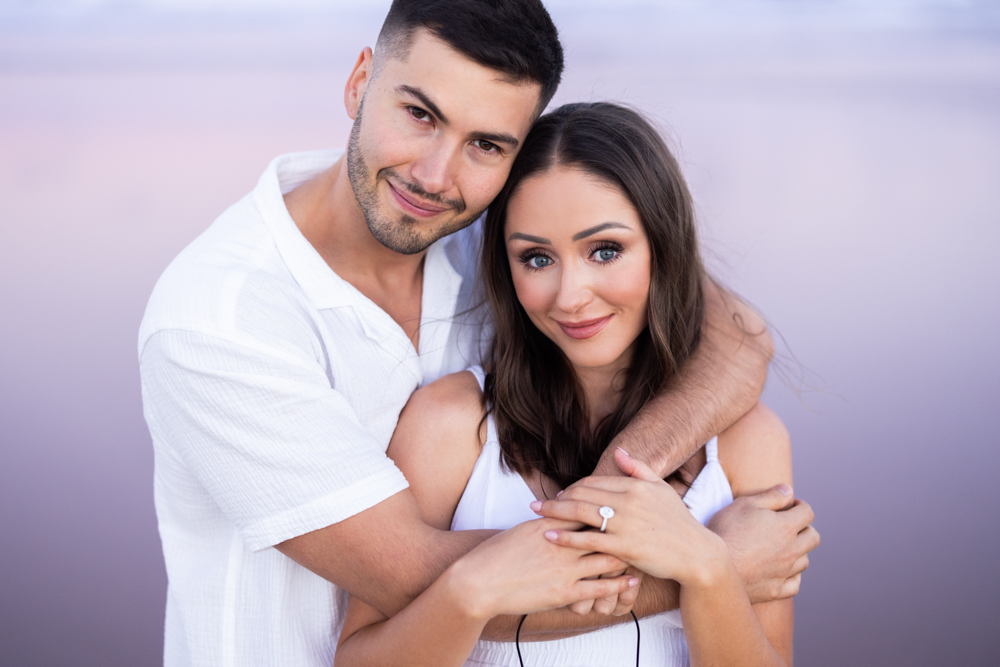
776,498
634,467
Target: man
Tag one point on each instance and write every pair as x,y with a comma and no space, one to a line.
278,349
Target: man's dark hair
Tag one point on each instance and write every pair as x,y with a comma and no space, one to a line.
514,37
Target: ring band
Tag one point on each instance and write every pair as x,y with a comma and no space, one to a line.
606,513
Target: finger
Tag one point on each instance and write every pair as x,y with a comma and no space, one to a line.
634,468
627,599
574,510
587,540
559,524
600,496
582,607
791,587
595,589
598,564
799,515
604,606
807,540
776,498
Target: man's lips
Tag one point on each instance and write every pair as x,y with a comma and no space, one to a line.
413,206
584,328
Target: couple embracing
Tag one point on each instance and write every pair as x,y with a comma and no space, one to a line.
389,432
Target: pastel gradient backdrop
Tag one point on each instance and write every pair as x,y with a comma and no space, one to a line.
845,159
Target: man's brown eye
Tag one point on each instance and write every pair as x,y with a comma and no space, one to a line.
418,113
486,146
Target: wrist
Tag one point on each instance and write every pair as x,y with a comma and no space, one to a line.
460,586
712,566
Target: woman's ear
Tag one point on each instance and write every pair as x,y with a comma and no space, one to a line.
360,77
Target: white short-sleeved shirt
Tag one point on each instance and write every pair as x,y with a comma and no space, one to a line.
271,388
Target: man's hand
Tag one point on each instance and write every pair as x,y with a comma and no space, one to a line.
769,536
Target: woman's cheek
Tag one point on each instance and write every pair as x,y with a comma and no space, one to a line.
632,293
532,291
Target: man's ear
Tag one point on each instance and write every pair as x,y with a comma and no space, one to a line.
357,82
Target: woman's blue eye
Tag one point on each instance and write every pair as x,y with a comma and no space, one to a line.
606,254
539,261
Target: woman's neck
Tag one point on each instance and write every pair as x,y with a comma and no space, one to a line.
603,386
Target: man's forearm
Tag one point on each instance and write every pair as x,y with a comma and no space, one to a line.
655,596
719,384
386,555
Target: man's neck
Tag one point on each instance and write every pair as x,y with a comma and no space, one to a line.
328,215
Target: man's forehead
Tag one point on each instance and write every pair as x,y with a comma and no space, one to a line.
456,83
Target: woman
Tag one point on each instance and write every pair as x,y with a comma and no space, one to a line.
595,282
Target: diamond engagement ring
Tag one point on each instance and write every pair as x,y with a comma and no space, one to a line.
606,513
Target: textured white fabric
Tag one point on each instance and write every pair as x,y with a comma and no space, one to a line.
498,499
271,388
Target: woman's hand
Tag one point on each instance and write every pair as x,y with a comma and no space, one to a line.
651,529
521,572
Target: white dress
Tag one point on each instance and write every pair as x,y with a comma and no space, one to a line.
498,499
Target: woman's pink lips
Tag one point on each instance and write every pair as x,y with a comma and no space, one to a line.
411,206
584,328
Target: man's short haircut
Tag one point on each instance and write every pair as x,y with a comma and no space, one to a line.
514,37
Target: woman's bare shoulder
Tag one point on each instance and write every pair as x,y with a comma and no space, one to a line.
437,441
756,452
451,404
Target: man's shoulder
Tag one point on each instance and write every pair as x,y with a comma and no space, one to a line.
463,249
201,288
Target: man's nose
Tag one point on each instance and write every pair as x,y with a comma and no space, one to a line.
434,170
574,288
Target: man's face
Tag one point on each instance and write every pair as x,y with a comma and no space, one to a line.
432,143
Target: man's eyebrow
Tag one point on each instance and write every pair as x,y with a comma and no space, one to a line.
493,137
504,138
598,228
424,100
529,238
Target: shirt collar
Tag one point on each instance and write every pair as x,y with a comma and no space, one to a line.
323,287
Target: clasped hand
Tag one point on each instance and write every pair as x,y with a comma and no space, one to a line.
768,536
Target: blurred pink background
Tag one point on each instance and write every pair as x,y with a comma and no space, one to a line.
845,159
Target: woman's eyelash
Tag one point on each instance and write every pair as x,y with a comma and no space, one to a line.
525,258
618,248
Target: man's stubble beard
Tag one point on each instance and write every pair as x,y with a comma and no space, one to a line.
396,236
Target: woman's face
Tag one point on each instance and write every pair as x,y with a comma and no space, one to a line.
580,261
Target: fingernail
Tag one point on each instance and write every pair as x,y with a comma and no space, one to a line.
785,489
623,452
551,535
559,494
633,582
536,505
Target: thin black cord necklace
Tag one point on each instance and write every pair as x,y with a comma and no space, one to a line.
517,639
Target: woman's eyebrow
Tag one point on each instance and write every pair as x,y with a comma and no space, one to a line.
598,228
529,238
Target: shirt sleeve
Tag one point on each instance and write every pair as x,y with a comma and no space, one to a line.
279,450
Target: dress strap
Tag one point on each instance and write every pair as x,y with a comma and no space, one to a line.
480,376
712,449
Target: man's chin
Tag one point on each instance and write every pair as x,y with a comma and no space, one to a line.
402,236
399,237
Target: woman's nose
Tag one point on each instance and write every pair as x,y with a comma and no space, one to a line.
574,289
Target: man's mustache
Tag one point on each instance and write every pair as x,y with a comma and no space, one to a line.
415,189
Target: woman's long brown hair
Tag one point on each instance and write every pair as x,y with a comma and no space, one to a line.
539,409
